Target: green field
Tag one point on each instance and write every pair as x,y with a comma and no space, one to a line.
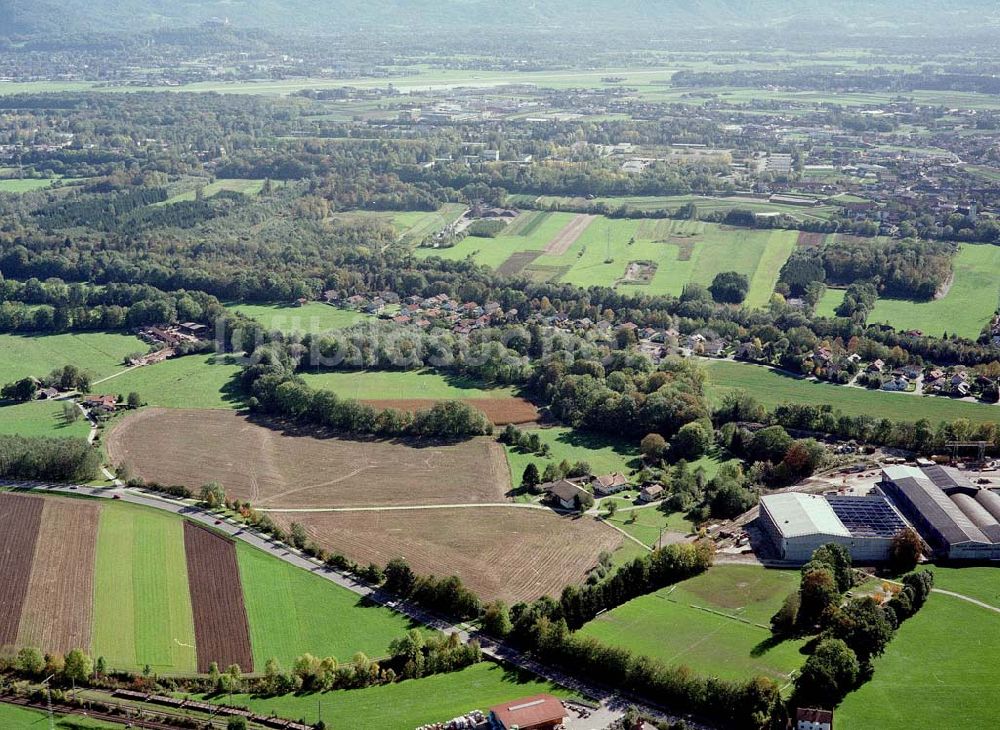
20,718
412,226
772,388
292,612
704,204
647,523
604,455
828,303
684,251
99,353
290,318
406,704
939,671
980,583
966,308
395,385
674,626
25,186
192,381
40,418
142,604
247,187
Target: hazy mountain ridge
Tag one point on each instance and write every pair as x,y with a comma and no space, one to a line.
42,16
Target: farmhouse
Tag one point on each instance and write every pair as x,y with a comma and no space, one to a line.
101,403
609,484
651,493
563,493
808,718
798,523
541,712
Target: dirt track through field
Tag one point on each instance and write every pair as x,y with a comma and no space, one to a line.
221,629
569,235
20,518
295,467
511,554
58,610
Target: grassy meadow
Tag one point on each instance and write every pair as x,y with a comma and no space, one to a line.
292,612
407,704
142,604
604,455
40,418
397,385
715,623
192,381
291,319
99,353
964,310
772,388
938,672
246,187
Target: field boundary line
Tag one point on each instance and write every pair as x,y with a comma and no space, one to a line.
634,539
968,599
407,507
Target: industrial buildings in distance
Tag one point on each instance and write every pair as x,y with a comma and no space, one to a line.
957,519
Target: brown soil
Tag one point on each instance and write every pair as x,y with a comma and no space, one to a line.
58,611
810,240
569,235
516,263
305,469
513,554
20,518
221,629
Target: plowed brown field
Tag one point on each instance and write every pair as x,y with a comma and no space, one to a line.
221,630
297,469
500,411
514,554
58,610
20,517
569,235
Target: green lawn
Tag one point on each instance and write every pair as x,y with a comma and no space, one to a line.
600,256
980,583
648,522
25,186
20,718
827,305
406,704
966,308
704,204
292,612
672,625
192,381
247,187
394,385
772,389
413,226
604,455
289,318
99,353
142,604
940,671
40,418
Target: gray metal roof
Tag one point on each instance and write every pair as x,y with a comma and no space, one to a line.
796,515
941,512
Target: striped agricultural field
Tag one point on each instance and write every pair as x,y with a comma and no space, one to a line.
20,518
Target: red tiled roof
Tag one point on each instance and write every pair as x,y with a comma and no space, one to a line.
529,711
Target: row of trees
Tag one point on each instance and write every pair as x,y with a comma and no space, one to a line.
48,459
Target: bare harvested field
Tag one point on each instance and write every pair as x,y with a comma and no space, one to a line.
305,469
500,411
569,235
810,240
517,262
58,611
222,633
20,517
514,554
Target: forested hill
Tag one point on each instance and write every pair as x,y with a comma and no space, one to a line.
320,16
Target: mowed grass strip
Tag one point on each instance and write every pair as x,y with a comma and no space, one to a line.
193,381
939,671
407,704
402,385
58,609
20,519
220,618
772,389
99,353
714,624
142,605
293,612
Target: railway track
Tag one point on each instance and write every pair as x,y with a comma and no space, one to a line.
135,722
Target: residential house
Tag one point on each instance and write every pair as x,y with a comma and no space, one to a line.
101,403
47,394
609,484
715,348
539,712
563,493
651,493
807,718
898,383
876,367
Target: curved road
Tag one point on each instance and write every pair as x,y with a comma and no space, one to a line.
613,704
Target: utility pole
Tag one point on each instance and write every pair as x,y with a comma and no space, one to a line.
48,699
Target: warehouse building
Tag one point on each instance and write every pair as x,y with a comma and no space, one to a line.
959,520
797,524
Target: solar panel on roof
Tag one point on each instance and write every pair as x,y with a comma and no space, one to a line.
867,516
